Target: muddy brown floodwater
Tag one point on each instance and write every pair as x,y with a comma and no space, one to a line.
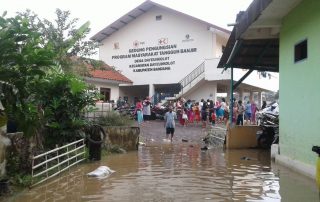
178,171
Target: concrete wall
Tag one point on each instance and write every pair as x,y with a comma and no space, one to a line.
124,136
133,92
299,87
213,73
146,32
207,90
242,137
220,41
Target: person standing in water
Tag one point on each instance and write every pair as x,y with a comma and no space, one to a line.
139,108
169,123
146,110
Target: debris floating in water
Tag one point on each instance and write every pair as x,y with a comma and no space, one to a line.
142,143
247,158
166,140
101,171
185,140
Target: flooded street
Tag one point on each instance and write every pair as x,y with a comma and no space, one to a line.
178,171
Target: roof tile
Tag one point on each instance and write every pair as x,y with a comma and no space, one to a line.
110,74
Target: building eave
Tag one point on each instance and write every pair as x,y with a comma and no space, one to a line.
106,81
254,41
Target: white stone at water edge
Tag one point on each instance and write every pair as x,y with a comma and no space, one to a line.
101,171
274,151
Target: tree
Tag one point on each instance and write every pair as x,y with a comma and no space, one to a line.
66,39
36,94
63,98
30,47
23,60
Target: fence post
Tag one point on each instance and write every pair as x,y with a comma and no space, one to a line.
84,149
75,147
47,165
68,156
32,169
58,158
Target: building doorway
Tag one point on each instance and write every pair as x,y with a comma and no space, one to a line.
105,94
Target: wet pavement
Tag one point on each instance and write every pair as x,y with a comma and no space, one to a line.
178,171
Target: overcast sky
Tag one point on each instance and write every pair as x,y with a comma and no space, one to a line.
101,13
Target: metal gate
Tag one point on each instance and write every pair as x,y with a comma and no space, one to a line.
51,163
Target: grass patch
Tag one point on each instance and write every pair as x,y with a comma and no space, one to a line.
115,119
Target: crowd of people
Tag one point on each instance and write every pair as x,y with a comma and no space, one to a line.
210,112
142,108
204,111
189,112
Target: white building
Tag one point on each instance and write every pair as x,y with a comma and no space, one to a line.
107,82
162,50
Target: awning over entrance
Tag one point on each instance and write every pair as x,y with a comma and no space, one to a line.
255,54
173,88
156,92
254,41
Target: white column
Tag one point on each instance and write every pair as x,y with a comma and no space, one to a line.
251,96
241,95
214,92
259,99
228,95
151,90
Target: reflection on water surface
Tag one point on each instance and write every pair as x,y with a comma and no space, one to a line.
162,171
178,172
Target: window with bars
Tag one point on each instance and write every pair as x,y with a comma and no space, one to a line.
301,51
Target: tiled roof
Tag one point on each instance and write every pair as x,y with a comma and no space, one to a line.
110,74
100,71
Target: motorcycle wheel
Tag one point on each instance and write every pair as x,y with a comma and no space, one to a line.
153,116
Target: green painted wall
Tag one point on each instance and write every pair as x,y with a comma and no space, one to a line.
300,83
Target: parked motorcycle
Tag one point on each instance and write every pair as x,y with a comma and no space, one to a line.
271,109
127,111
269,133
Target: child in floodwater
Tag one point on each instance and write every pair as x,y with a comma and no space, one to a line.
185,117
213,118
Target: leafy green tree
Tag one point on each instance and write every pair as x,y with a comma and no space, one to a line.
30,47
66,38
63,98
40,98
23,60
